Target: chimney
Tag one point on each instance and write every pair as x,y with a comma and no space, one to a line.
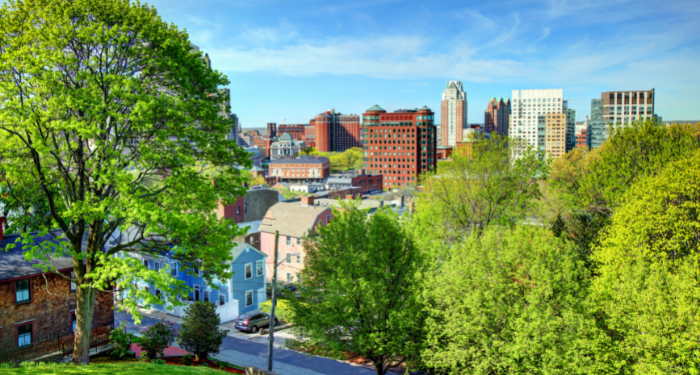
307,201
2,228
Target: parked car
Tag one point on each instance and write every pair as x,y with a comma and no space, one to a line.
253,322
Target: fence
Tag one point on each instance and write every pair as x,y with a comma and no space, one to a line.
54,347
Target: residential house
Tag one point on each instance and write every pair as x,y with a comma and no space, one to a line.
293,221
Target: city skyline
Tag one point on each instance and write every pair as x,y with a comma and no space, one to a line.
321,55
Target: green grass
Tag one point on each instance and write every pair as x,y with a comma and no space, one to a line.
109,369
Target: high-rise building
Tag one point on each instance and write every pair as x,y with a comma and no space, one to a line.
399,145
583,134
528,117
496,116
335,131
453,113
555,133
598,127
297,131
271,130
623,107
570,126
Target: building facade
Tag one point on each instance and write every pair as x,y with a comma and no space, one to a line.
300,169
453,113
623,107
399,145
598,127
285,147
334,131
271,130
583,134
366,183
297,131
556,142
570,126
496,116
529,111
263,144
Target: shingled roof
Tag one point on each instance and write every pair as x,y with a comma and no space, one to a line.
292,219
13,264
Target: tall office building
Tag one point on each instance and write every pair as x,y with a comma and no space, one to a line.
570,126
399,145
453,114
271,130
528,117
496,116
623,107
555,134
598,127
335,131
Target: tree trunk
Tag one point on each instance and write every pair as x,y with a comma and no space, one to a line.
84,309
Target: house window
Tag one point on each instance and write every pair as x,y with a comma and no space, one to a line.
238,210
24,334
328,218
72,284
290,277
248,271
222,299
299,259
145,263
289,258
158,293
289,241
206,295
249,298
196,292
22,291
72,319
298,240
259,268
156,266
173,269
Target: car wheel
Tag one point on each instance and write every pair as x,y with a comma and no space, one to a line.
254,329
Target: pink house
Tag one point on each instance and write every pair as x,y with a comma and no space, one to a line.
293,221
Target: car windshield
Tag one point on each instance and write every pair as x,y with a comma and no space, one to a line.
243,317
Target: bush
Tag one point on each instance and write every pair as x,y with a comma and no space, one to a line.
158,361
187,359
220,364
282,311
121,341
157,338
200,332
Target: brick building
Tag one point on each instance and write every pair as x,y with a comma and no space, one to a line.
293,221
334,131
364,182
264,145
497,116
297,131
300,169
38,310
555,143
399,145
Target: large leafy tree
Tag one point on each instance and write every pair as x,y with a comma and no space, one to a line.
511,301
648,284
108,112
360,288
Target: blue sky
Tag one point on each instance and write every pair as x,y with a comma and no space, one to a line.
289,60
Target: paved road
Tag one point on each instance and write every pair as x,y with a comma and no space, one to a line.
248,353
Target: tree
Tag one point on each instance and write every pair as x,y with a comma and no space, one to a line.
647,286
483,184
309,151
360,288
108,112
511,301
199,331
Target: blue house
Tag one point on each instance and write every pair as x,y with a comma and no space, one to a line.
242,293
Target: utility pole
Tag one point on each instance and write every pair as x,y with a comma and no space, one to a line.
271,336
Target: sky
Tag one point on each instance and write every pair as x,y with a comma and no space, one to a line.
290,60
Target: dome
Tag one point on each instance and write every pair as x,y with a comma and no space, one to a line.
376,108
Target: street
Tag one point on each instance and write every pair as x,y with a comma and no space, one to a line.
243,352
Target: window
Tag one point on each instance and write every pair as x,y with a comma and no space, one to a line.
72,319
206,295
249,298
222,299
72,284
298,240
290,277
328,218
238,210
299,259
24,334
145,263
248,271
173,269
289,258
156,266
259,267
158,293
289,241
196,292
22,291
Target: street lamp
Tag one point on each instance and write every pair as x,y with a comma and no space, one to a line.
271,337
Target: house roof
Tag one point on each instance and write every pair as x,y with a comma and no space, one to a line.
254,226
239,247
256,169
13,264
291,218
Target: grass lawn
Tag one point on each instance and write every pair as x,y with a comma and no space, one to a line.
135,368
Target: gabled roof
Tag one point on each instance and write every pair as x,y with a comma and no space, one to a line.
239,247
256,169
291,219
376,108
13,264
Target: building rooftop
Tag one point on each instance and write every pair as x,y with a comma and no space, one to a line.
291,219
239,247
13,264
304,159
376,108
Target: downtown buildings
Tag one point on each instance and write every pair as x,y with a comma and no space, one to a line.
399,145
497,116
334,131
453,114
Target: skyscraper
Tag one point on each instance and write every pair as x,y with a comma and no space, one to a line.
599,128
496,116
530,108
335,131
453,114
623,107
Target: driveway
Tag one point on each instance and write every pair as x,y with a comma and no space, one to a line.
241,350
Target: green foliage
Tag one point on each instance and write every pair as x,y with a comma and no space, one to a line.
648,283
199,331
340,161
131,368
511,302
283,310
157,338
121,138
158,361
361,288
187,359
121,342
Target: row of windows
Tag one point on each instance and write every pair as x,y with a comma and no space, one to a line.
23,290
25,331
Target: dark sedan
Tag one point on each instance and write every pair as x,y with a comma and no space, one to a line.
253,322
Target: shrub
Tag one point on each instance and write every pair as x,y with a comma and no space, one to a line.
158,361
121,342
220,364
282,311
200,332
157,338
187,359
